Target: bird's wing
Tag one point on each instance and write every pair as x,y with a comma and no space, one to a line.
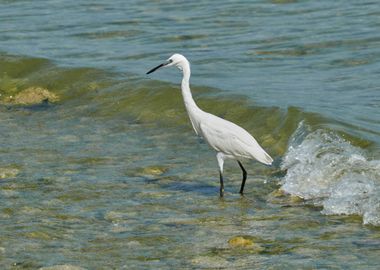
193,125
228,138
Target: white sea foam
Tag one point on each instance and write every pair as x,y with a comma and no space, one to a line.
329,171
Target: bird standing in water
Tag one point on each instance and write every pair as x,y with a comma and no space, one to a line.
226,138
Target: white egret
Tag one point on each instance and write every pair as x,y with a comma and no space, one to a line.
226,138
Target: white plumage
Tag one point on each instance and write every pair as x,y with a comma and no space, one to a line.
232,140
226,138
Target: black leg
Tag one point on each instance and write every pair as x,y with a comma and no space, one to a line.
221,185
244,177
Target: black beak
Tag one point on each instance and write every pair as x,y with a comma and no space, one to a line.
159,66
155,68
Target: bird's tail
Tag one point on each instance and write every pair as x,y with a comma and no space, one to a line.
263,157
267,159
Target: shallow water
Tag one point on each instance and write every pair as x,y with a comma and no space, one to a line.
80,198
110,175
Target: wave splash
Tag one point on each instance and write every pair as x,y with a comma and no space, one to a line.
326,169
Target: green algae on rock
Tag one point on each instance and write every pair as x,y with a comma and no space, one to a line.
33,95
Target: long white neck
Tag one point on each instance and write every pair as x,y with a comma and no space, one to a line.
185,86
192,109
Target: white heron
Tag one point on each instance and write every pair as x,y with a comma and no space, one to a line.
226,138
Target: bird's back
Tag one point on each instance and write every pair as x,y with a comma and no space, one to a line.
230,139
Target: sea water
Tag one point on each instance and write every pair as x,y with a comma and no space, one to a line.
106,173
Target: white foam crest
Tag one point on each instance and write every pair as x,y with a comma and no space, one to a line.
324,168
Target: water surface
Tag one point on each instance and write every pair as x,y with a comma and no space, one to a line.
111,176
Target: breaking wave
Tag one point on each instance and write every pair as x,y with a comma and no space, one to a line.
330,172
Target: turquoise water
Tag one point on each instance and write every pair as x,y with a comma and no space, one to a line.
108,174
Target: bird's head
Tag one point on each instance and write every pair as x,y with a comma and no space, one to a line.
176,59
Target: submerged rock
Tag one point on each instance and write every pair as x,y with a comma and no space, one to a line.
33,95
62,267
114,216
8,172
152,170
296,199
215,262
279,196
239,241
39,235
27,210
277,193
244,242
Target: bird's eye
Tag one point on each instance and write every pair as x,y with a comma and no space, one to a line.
170,60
